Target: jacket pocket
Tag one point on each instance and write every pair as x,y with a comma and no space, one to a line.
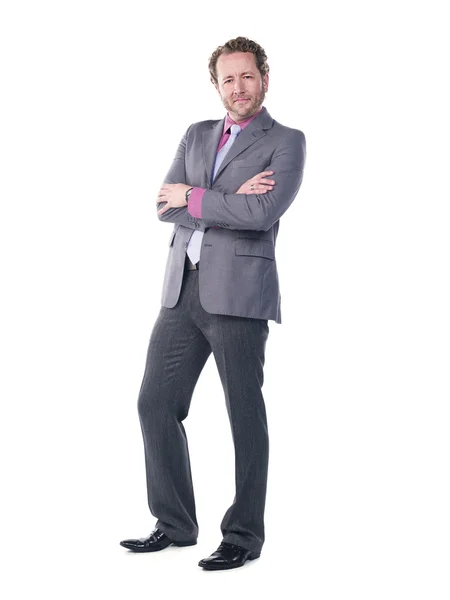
255,164
251,247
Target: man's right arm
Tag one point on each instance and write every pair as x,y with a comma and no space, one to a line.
177,174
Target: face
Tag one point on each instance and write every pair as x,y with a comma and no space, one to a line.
240,85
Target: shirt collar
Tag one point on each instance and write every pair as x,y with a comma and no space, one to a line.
229,121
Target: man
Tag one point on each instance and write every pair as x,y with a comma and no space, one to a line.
219,291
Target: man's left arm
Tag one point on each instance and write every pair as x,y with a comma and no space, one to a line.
260,211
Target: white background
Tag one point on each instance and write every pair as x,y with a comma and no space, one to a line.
95,98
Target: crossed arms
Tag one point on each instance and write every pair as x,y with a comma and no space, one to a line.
257,211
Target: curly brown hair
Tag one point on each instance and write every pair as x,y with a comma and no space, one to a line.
239,44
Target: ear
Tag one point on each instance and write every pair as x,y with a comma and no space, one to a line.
266,82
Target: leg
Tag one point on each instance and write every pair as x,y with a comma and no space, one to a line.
238,345
176,355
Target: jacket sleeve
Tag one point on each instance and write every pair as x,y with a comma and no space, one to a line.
261,211
177,174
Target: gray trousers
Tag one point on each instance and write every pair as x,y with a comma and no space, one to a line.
181,341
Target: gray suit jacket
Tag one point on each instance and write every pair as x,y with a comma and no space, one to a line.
238,271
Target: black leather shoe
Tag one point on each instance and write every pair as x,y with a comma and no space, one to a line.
228,556
157,540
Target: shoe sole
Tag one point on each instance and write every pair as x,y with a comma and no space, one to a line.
212,567
181,544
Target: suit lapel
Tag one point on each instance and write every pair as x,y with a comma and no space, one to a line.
249,135
211,139
246,138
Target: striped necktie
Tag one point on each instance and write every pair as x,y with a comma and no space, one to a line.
195,243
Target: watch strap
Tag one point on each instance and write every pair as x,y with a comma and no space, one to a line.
188,193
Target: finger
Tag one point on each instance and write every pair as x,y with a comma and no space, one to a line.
265,173
268,181
261,186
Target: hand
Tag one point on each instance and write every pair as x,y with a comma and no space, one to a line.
174,194
257,184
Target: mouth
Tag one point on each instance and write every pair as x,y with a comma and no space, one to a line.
242,100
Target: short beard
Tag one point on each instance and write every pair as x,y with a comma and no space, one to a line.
255,104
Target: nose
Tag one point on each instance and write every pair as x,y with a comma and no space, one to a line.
239,86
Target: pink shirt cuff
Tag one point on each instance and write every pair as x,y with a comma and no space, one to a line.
195,202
